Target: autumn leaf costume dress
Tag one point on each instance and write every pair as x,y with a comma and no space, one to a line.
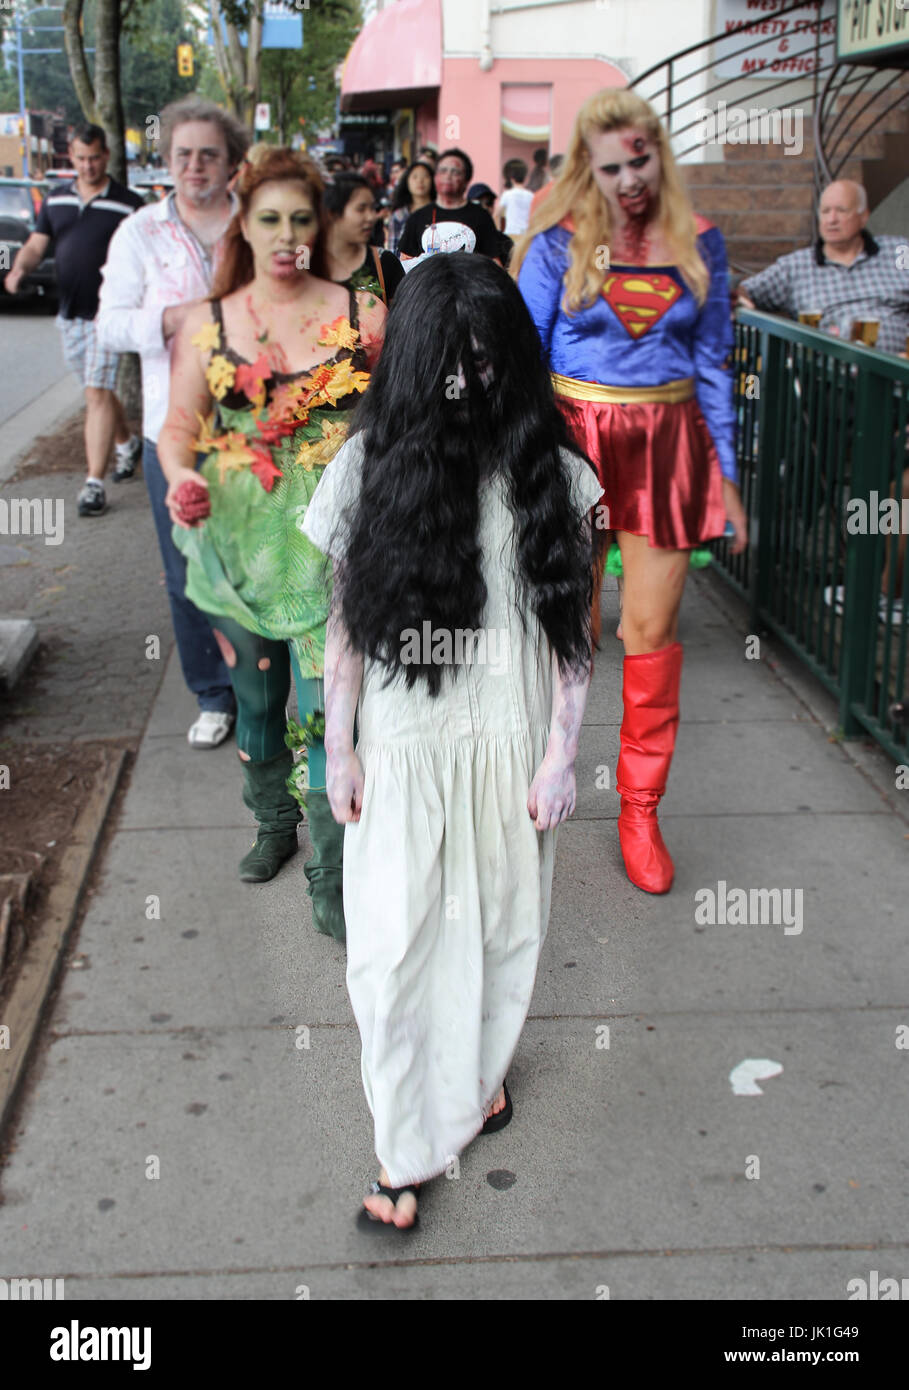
263,582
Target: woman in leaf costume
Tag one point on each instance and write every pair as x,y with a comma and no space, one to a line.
263,377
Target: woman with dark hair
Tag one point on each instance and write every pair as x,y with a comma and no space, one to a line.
461,622
640,343
539,174
269,368
351,207
416,189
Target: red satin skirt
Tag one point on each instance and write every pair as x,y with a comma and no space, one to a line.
658,466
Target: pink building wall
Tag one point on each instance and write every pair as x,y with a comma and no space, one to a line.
470,103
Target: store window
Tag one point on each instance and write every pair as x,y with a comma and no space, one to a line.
526,122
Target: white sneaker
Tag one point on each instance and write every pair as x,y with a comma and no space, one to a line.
211,728
836,599
126,457
897,614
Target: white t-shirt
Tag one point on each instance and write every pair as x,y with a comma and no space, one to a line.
515,203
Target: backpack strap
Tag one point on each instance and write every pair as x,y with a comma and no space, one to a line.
377,258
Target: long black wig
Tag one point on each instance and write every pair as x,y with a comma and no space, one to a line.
461,391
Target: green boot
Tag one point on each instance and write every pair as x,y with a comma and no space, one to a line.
265,793
324,868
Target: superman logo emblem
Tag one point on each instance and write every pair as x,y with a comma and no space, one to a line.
640,301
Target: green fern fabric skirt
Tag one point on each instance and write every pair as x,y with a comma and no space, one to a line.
250,561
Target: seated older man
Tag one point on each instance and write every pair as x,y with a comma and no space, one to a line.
847,273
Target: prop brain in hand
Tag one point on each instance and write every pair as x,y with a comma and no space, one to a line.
193,501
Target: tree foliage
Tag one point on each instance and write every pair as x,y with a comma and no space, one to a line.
132,73
148,67
301,83
149,79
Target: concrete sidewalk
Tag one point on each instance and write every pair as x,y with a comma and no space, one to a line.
176,1040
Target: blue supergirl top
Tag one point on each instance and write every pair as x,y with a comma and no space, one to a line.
644,329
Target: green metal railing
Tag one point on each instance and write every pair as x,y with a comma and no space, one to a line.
824,466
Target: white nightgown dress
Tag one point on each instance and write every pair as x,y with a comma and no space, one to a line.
447,883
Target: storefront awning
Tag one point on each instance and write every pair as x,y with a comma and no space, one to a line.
396,59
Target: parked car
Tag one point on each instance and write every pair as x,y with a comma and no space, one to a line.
153,184
20,203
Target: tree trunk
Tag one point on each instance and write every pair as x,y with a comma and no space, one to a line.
222,60
75,54
107,82
285,83
238,69
254,59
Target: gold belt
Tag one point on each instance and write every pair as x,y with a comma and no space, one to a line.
670,393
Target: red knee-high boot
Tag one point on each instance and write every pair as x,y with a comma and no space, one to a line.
649,726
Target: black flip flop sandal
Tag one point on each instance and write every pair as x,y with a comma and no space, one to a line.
374,1224
503,1117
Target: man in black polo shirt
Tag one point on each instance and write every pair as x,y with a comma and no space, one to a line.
80,218
451,223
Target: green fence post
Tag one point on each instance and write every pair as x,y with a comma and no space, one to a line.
771,420
873,401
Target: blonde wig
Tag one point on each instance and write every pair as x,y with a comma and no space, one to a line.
575,192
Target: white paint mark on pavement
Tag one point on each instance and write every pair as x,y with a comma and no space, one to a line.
747,1074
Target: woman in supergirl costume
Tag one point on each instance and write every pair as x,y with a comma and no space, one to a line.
629,291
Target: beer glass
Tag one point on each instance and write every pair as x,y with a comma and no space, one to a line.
865,331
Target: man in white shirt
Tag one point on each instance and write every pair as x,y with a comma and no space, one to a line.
161,261
513,212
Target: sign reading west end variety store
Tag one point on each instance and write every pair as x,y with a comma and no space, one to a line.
871,28
779,42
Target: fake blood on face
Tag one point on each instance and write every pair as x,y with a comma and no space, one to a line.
637,205
628,172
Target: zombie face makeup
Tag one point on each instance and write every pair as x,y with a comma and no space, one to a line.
198,162
627,170
280,223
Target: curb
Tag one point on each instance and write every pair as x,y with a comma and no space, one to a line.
34,983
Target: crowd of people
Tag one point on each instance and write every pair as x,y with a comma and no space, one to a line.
356,452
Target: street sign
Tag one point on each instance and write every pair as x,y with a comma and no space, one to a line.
263,116
778,44
281,28
867,33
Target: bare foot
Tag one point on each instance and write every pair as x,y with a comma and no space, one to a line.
401,1214
497,1105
